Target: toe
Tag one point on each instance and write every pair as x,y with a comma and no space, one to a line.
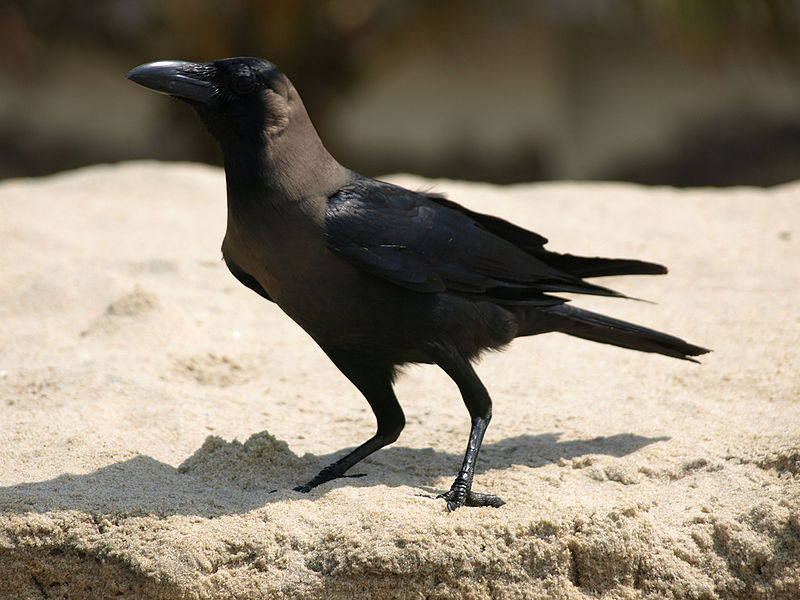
454,499
476,499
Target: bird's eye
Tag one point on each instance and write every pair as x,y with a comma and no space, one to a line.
245,84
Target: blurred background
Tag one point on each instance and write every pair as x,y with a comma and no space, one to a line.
680,92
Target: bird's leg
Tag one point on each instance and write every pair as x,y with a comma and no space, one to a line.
479,405
376,385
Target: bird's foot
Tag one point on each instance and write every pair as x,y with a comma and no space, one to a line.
327,474
461,495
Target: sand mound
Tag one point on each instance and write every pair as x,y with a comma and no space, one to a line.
132,363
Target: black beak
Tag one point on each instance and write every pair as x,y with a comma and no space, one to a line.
178,78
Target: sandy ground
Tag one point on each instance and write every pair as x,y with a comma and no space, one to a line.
149,404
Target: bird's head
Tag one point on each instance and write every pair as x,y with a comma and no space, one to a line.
233,96
257,116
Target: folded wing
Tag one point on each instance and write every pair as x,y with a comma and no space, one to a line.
429,244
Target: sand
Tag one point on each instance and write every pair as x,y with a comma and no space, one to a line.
151,404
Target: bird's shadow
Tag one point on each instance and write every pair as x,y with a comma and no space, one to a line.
223,477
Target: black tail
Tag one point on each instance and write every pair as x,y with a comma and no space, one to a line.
584,266
599,328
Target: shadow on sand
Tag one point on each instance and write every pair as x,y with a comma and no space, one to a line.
232,477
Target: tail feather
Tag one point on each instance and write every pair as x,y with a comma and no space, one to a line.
585,266
599,328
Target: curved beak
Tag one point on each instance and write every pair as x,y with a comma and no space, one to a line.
182,79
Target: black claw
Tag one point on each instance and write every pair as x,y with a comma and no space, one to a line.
457,498
476,499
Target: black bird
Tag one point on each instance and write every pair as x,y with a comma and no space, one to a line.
378,275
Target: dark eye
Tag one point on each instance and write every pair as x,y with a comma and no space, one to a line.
245,84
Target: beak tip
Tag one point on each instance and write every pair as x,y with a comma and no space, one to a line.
141,74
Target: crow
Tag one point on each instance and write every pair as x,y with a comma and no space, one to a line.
378,275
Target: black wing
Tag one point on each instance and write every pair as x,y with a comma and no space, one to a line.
533,243
429,244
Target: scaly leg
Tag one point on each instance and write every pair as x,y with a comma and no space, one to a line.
376,385
479,405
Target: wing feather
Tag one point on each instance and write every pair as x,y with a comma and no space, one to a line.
430,245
